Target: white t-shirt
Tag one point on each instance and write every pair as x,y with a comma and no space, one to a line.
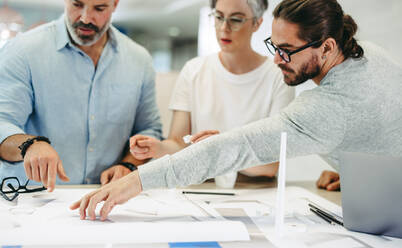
220,100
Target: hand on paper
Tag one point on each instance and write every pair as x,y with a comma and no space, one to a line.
43,164
144,147
329,180
113,173
114,193
203,135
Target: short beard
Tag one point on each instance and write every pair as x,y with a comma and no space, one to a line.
309,70
83,40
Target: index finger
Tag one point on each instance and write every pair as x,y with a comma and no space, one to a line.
334,186
52,173
132,141
323,181
198,135
44,163
137,149
204,133
201,138
145,143
84,205
75,205
105,176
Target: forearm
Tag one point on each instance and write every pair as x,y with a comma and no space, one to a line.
267,170
170,146
214,156
9,150
256,143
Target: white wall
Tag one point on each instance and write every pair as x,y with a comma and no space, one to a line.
378,21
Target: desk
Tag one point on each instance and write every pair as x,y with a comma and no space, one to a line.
260,183
250,183
259,226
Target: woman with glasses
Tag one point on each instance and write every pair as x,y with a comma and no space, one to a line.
225,90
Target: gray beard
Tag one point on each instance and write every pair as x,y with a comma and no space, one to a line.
86,42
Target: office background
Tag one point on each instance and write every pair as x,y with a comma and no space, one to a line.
175,31
169,28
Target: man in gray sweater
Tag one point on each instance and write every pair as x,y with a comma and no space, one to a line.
357,107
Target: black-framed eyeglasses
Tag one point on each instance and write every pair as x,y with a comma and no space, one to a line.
285,55
11,188
234,22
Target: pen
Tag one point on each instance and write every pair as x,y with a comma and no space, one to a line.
206,193
322,216
329,216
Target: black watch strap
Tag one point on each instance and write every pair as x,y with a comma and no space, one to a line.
128,165
24,146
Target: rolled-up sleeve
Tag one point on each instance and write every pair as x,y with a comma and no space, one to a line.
15,91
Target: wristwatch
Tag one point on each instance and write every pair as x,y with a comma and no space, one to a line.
24,146
128,165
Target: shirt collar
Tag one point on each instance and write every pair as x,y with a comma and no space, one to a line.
113,38
63,38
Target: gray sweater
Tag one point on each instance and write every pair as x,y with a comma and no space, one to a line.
356,108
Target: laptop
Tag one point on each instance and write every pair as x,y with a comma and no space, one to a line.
372,193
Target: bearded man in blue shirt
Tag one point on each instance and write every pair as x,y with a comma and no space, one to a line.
71,94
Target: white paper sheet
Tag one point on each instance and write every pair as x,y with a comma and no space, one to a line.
128,233
153,217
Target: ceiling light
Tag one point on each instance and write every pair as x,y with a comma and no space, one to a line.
11,24
174,31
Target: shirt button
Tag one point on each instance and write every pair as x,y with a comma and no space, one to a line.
92,117
91,149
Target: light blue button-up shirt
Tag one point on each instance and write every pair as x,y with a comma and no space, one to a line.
49,87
